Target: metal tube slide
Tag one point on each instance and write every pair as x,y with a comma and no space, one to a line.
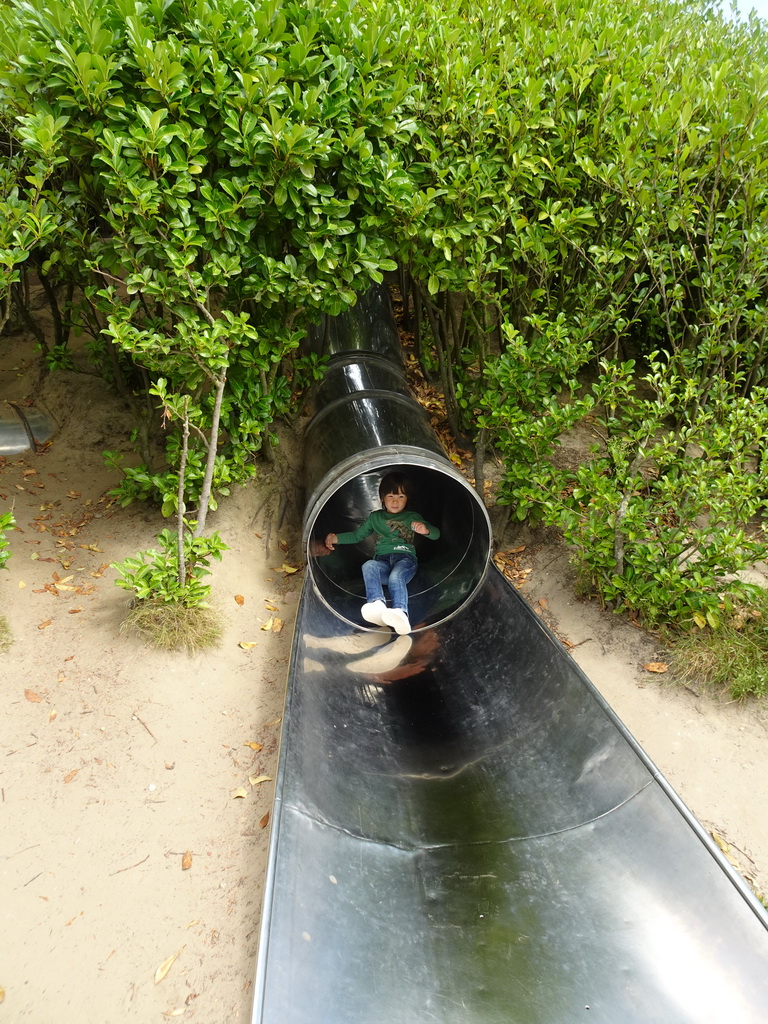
22,428
463,831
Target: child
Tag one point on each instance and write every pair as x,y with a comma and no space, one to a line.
394,563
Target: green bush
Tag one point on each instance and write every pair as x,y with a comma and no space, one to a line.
666,507
7,522
154,575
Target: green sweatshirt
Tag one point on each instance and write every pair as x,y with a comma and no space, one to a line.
392,531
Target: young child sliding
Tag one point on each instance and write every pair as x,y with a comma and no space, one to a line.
394,562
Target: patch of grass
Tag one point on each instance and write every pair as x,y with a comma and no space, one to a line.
733,657
171,626
6,636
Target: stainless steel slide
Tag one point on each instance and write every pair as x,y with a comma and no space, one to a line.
463,831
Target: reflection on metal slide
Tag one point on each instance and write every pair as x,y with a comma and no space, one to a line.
464,832
22,428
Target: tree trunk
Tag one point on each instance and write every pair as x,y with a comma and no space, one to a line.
404,280
443,360
266,444
28,320
417,328
205,492
60,332
480,463
181,509
618,533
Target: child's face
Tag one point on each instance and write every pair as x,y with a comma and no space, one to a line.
395,502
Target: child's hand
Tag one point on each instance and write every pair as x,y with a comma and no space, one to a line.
330,541
418,528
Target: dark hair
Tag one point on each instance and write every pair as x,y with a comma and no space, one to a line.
394,483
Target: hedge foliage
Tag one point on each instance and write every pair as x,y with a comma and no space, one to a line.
576,194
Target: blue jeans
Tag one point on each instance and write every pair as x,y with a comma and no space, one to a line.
394,571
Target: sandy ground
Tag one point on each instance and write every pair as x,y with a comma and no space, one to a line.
116,761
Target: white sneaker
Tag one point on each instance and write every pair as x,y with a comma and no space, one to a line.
397,619
374,612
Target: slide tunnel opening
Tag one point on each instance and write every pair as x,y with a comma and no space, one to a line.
450,568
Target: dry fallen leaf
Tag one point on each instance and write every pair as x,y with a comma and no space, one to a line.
285,568
239,598
273,624
264,821
256,779
74,611
255,746
270,607
656,666
239,794
70,775
186,860
724,845
247,645
22,584
165,966
727,850
174,1013
32,697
